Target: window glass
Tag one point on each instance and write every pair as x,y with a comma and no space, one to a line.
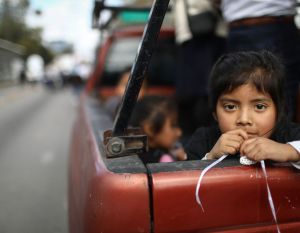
161,70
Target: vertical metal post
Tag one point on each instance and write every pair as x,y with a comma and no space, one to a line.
140,66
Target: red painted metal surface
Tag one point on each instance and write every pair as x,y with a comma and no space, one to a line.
101,201
234,200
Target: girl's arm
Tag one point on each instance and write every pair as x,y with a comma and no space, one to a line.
258,149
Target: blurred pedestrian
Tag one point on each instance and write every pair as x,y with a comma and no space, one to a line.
199,47
22,77
265,24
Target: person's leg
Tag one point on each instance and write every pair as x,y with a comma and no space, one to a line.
196,59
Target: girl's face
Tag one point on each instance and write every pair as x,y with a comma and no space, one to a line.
169,134
245,108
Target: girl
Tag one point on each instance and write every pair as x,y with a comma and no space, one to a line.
157,116
248,102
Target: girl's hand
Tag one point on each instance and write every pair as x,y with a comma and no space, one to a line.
180,155
228,143
258,149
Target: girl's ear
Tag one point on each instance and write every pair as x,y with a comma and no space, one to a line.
215,116
148,130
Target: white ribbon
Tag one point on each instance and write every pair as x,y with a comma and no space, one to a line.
202,174
269,194
264,170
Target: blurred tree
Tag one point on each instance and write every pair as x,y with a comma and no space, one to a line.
13,28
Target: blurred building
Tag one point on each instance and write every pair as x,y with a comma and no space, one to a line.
60,47
11,61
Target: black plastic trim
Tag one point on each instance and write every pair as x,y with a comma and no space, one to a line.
230,161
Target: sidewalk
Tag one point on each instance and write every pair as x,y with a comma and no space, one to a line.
4,84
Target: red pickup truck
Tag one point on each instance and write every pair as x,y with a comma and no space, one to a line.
120,194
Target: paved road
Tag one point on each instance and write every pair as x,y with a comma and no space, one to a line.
35,128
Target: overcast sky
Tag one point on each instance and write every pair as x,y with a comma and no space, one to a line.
68,20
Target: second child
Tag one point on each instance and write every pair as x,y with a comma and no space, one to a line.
157,116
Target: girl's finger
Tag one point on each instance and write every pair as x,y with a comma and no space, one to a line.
259,156
240,132
236,138
245,146
234,144
253,153
230,150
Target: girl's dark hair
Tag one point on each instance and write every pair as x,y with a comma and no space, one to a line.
263,70
153,109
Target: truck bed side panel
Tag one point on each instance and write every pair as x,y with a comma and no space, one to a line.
233,198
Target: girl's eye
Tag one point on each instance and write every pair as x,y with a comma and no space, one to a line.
230,107
260,106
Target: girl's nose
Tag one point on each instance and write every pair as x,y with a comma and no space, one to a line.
244,118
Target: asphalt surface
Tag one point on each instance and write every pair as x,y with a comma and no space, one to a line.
35,130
